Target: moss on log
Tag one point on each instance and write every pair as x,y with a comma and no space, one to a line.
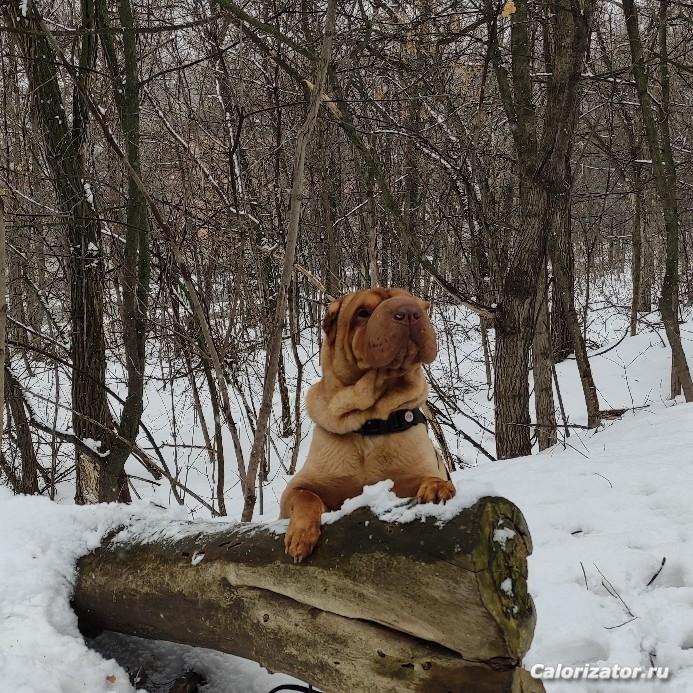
379,607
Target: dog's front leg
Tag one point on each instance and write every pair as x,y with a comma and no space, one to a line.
303,508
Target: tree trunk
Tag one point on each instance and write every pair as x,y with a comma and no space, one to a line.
3,317
218,437
561,339
295,337
648,263
636,253
669,298
515,330
16,273
562,261
15,399
561,250
136,265
379,607
541,368
331,247
286,431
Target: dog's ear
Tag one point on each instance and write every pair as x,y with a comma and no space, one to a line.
329,323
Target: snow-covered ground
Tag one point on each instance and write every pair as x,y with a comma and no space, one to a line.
608,511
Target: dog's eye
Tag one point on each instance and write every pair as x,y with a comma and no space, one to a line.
363,313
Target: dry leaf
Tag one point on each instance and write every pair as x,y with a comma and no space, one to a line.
508,9
111,678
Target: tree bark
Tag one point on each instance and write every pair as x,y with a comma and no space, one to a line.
295,337
3,318
648,263
562,261
541,368
515,330
636,253
16,277
379,607
287,430
15,400
561,339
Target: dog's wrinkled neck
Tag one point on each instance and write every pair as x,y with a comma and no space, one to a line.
343,408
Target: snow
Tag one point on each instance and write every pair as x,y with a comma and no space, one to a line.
501,536
613,508
95,446
610,513
41,649
40,646
89,194
388,507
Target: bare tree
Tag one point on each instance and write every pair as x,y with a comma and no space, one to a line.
544,193
656,122
302,141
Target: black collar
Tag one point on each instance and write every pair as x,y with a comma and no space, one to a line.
398,421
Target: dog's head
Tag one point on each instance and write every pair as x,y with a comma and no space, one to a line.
385,329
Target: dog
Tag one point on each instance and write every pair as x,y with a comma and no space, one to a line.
365,409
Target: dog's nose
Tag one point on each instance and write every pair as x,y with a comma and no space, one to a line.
409,312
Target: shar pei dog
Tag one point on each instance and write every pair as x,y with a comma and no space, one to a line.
368,426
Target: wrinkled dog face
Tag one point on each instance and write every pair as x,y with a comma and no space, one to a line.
377,328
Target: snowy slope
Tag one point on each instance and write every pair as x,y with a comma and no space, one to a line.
603,514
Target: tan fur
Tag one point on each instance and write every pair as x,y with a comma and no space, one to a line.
340,461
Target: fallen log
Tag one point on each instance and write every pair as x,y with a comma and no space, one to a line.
379,607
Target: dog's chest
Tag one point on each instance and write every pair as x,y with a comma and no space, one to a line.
395,455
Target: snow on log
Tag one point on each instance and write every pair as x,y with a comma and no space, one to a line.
380,606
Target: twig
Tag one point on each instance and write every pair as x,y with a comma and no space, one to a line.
603,477
613,591
630,620
656,575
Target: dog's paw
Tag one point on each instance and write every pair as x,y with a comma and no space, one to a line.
301,538
435,491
